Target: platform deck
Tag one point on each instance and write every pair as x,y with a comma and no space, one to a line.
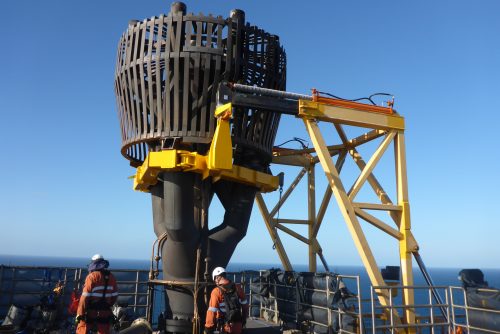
260,326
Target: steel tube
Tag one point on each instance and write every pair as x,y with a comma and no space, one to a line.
270,92
430,283
167,72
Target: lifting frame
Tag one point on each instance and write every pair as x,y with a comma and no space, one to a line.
391,128
379,121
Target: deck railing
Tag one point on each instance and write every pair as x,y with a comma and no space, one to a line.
463,311
430,316
471,315
26,286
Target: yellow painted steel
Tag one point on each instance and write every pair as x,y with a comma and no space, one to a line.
408,245
168,160
329,113
271,228
218,163
390,125
381,124
265,182
311,205
220,155
179,160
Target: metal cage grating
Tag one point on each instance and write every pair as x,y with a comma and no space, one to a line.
167,72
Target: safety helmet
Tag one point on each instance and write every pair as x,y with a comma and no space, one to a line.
97,257
218,271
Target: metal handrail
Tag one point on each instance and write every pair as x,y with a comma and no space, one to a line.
458,311
433,324
71,276
467,308
338,312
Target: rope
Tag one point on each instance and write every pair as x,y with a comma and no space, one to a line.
196,316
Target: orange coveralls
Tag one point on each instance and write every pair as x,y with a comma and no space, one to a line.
217,308
97,319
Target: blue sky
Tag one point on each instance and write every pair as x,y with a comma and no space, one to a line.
64,187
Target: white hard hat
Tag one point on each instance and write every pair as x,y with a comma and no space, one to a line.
97,257
217,271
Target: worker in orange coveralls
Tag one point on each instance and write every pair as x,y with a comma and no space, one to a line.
228,307
99,294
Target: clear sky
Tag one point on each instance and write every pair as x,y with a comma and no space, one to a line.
64,189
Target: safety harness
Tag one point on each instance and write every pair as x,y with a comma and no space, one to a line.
101,304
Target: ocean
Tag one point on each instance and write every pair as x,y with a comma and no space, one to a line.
440,276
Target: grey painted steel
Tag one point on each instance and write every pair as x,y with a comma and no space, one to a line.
168,71
261,102
176,212
430,283
167,74
270,92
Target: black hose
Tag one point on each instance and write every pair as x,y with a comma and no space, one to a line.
369,98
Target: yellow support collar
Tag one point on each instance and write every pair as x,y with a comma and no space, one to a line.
186,161
218,163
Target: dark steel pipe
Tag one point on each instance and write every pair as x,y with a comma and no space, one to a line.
167,73
237,200
176,212
430,283
270,92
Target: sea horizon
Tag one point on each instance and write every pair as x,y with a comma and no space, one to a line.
440,275
15,259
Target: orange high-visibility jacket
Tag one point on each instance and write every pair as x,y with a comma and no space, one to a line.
93,292
217,307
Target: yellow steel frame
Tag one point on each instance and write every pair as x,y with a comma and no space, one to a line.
186,161
391,128
218,163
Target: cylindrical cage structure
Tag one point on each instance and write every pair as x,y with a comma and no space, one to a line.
167,73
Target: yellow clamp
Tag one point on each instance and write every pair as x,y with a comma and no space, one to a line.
218,163
220,156
180,160
168,160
